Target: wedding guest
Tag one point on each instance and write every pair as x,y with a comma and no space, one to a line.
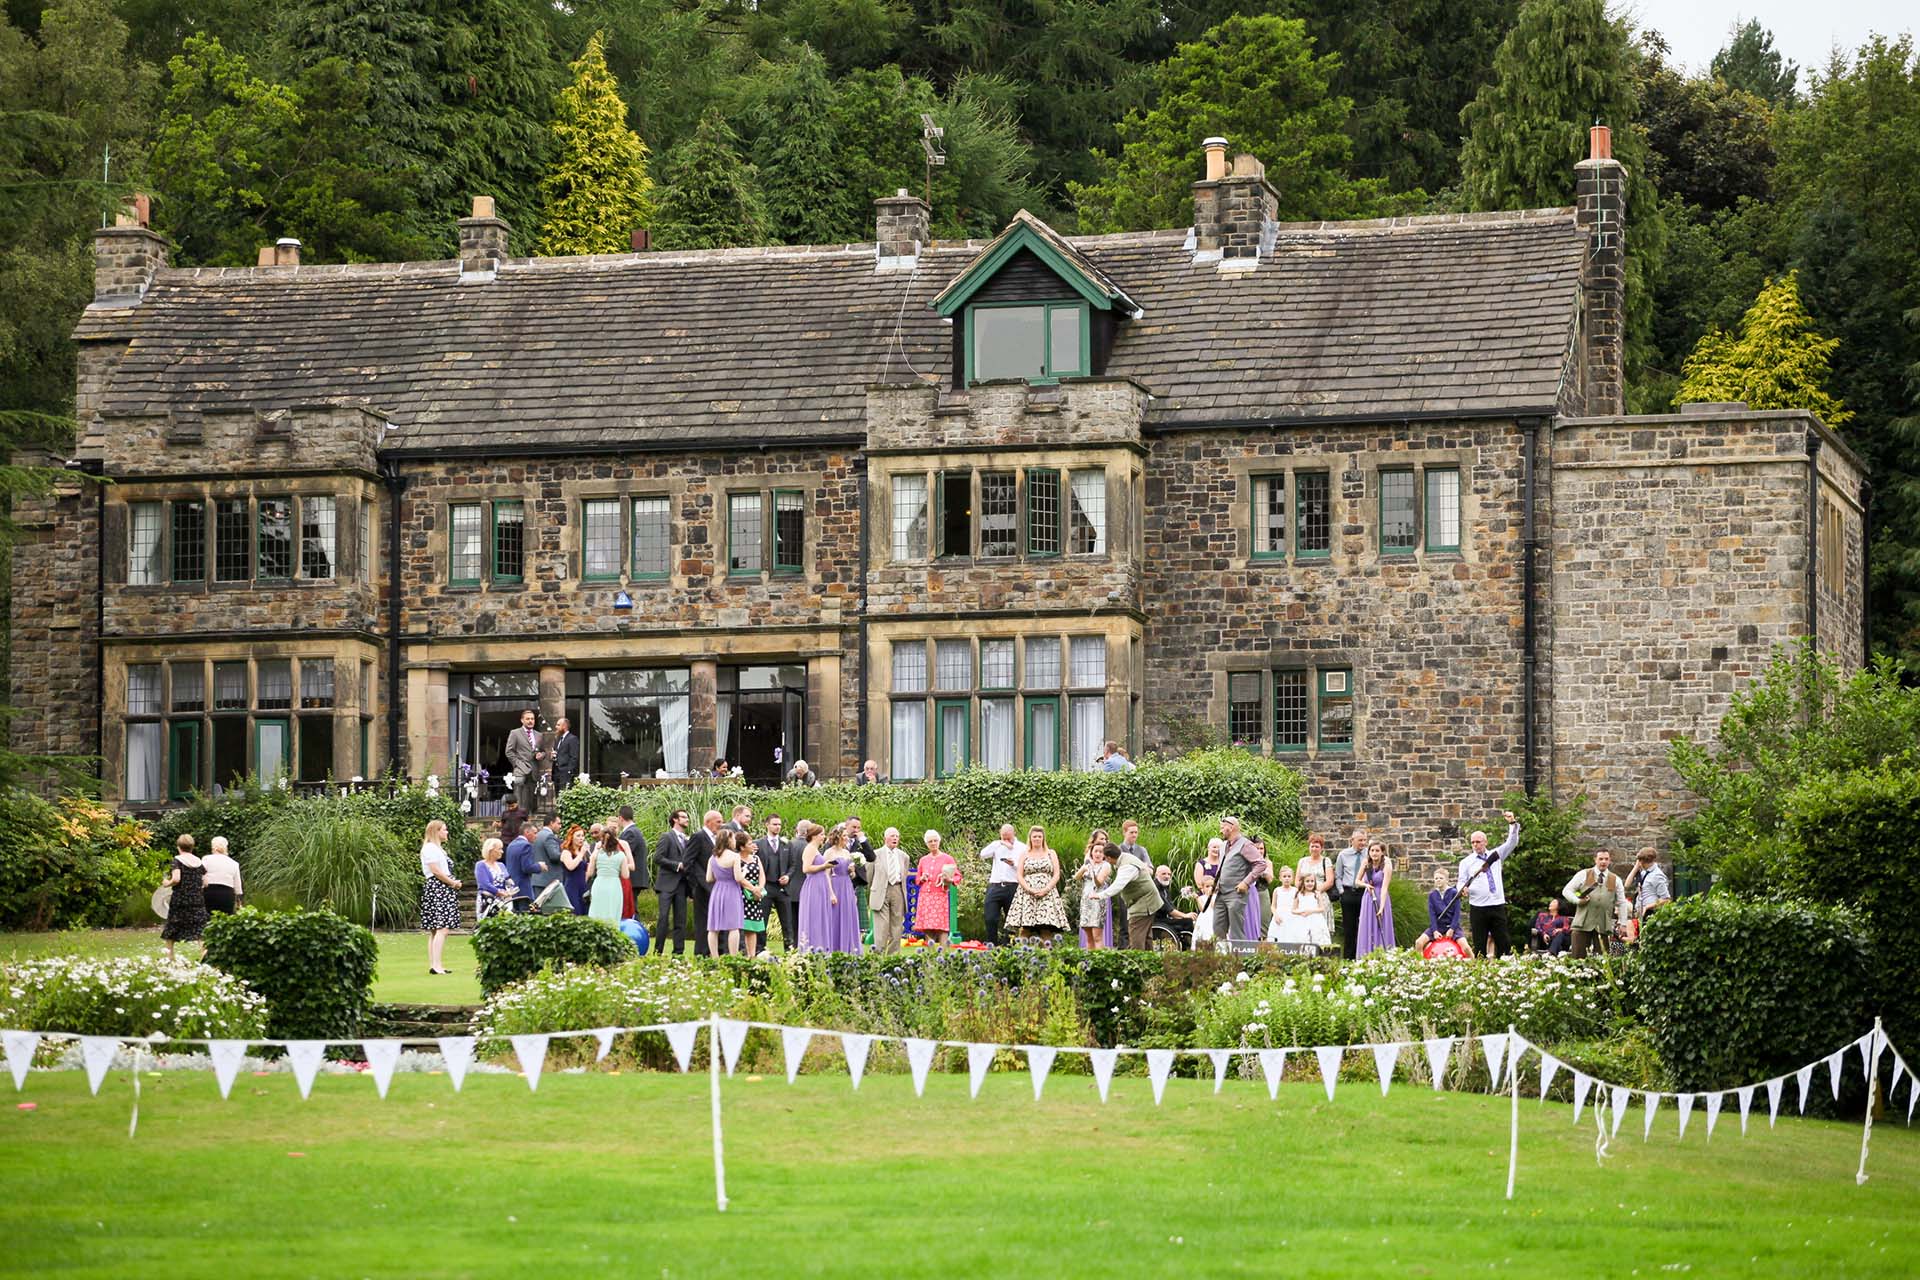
513,820
1552,930
700,848
1349,892
780,859
720,769
609,865
1203,937
1646,889
1311,905
1037,911
1130,844
1317,867
937,870
1239,910
1376,904
187,908
1133,885
887,892
1209,863
741,819
828,921
862,850
550,882
523,865
726,905
528,754
223,879
672,880
1114,759
802,775
1601,905
574,855
1482,882
439,900
869,774
1443,911
494,889
1003,881
636,842
1286,928
566,757
753,907
1096,912
1170,916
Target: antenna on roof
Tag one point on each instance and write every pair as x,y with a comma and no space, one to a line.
931,142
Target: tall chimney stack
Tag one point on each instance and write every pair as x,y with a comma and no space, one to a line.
1600,209
1235,209
126,256
903,226
483,240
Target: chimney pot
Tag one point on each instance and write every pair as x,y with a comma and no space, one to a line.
1233,208
642,239
1600,143
483,240
902,227
483,207
266,255
286,252
1216,149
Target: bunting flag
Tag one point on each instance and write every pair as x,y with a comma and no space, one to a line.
1913,1093
532,1052
1439,1049
382,1057
1039,1062
1582,1086
1548,1066
733,1034
1159,1067
1653,1105
20,1047
605,1036
680,1036
979,1058
227,1056
1219,1057
97,1053
1495,1047
856,1047
1773,1099
1713,1111
1805,1077
1867,1044
458,1053
919,1059
793,1041
1102,1061
1836,1062
304,1058
1273,1063
1622,1097
1329,1056
1384,1058
1745,1095
1686,1109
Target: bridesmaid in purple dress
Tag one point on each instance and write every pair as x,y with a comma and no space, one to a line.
829,915
1376,906
726,905
816,911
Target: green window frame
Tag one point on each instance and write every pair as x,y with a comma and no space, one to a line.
501,554
789,531
652,514
1264,491
1399,533
742,563
285,725
276,565
1335,692
474,515
183,758
1292,710
1312,515
941,739
1044,509
1030,737
1438,505
366,738
1056,316
592,539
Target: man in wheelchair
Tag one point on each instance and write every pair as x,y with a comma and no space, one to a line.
1172,927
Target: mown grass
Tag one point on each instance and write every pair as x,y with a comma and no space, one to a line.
603,1174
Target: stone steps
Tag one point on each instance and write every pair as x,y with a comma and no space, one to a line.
419,1024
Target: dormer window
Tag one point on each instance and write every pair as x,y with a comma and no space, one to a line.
1040,342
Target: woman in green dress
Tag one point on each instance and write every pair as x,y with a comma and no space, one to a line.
608,867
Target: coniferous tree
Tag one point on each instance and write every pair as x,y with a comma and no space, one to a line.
597,191
709,195
1750,62
1777,361
807,200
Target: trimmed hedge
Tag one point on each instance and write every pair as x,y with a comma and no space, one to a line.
314,967
1733,991
511,948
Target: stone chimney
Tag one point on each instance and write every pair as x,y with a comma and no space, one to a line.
483,239
903,227
1235,209
125,257
1600,208
284,252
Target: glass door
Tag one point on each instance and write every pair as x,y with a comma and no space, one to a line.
272,745
183,758
952,729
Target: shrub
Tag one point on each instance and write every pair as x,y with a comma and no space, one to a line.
129,996
1734,992
512,948
1409,904
78,865
629,994
315,968
326,851
1283,1012
1551,849
1549,999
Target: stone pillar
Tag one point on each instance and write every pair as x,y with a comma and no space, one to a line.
125,259
703,713
483,238
436,712
1231,213
828,755
553,692
1600,208
902,225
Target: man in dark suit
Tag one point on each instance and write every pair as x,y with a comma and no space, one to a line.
636,842
523,865
671,883
780,856
862,850
546,851
742,818
566,756
699,849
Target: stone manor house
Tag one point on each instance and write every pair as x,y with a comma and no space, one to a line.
1358,495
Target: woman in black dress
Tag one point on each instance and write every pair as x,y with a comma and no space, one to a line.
187,910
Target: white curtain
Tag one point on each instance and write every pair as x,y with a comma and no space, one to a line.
1089,515
143,762
909,741
673,734
996,733
1087,730
1043,736
723,728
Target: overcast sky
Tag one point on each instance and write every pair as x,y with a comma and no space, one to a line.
1803,30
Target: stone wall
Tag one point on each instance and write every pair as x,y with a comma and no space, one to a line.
317,438
55,635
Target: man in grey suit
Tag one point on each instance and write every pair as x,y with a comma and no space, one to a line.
780,857
636,843
1239,907
527,757
673,883
546,847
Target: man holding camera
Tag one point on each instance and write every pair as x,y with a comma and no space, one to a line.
1600,905
1483,884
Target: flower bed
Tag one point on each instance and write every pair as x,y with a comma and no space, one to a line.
584,997
129,996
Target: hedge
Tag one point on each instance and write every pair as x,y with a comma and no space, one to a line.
314,967
1734,992
244,813
512,947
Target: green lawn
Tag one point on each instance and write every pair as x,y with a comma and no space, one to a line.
611,1175
402,976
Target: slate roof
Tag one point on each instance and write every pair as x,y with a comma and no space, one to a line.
1469,313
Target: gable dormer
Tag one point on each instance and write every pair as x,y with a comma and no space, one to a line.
1031,307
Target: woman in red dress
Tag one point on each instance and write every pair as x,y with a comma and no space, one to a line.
936,871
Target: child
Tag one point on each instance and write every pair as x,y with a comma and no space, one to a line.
1310,905
1443,911
1287,927
1203,911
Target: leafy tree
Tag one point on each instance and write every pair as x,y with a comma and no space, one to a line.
710,196
1749,62
1564,65
674,59
598,190
796,153
1711,143
1778,361
1256,82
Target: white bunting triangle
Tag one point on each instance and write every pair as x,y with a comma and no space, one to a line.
1836,1063
1686,1109
793,1042
1774,1086
979,1058
1159,1067
1495,1047
20,1047
1805,1077
856,1047
1039,1062
1273,1064
1329,1056
1867,1044
1384,1058
1899,1069
919,1058
97,1053
532,1052
1102,1060
680,1037
1439,1049
382,1057
1913,1094
733,1034
1219,1057
1582,1085
1548,1066
457,1052
1622,1098
1653,1105
604,1037
1714,1101
303,1059
1745,1097
227,1056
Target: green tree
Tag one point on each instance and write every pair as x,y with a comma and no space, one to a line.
709,194
1711,143
1749,62
598,190
1256,82
796,153
1777,361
